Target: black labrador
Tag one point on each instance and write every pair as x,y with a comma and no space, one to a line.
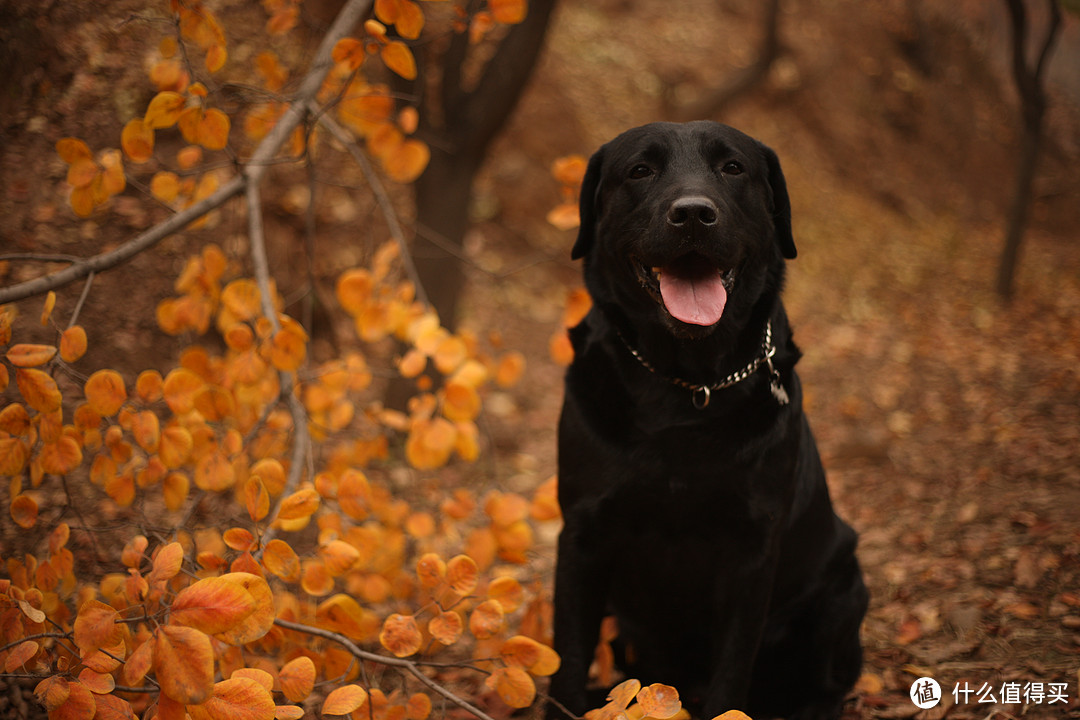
694,500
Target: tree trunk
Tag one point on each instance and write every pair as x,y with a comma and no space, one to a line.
1032,108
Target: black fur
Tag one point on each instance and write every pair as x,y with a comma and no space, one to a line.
708,533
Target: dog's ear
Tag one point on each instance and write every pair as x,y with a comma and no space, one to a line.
781,205
588,206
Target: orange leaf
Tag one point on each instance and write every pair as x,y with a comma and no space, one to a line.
97,682
112,707
71,149
344,700
659,701
487,619
26,355
256,498
167,563
138,663
430,570
288,348
418,706
314,579
297,678
242,298
137,140
339,557
73,343
513,685
354,494
259,622
216,55
47,308
14,420
20,655
214,472
288,712
350,51
62,456
462,574
399,59
38,389
212,605
300,504
733,715
508,12
132,554
174,490
105,392
79,704
410,19
624,693
507,591
180,388
238,698
184,663
163,111
213,129
408,161
279,558
460,402
400,635
13,455
165,186
24,511
341,613
446,627
569,170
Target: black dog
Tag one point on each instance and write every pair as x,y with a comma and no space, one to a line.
695,503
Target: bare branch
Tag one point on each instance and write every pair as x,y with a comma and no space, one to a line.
408,665
253,172
381,198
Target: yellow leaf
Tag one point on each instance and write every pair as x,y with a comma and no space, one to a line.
105,392
73,343
164,110
399,59
344,700
400,635
174,490
280,559
214,472
137,140
461,403
256,498
167,563
38,389
242,298
261,620
507,591
180,388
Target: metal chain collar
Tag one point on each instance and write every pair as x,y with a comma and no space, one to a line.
701,394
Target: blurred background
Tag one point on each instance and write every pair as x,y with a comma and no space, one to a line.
948,412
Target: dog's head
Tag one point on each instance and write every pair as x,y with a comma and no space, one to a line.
684,223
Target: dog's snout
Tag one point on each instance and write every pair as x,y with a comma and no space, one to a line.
692,209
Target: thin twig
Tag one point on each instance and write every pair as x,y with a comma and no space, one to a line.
301,439
381,197
82,299
408,665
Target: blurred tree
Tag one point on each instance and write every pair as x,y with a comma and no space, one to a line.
713,101
461,114
1029,85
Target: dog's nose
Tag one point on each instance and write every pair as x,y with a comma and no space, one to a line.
692,209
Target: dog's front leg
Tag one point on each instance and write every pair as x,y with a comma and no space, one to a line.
742,600
580,600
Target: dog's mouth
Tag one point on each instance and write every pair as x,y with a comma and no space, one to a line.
692,288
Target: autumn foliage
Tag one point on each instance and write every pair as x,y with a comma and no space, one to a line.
309,575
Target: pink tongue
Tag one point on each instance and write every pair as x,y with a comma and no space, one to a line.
698,301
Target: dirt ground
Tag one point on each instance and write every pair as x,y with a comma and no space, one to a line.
949,423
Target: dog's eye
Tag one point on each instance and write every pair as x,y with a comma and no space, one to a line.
640,171
732,168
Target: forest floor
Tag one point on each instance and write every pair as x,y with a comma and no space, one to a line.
949,422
